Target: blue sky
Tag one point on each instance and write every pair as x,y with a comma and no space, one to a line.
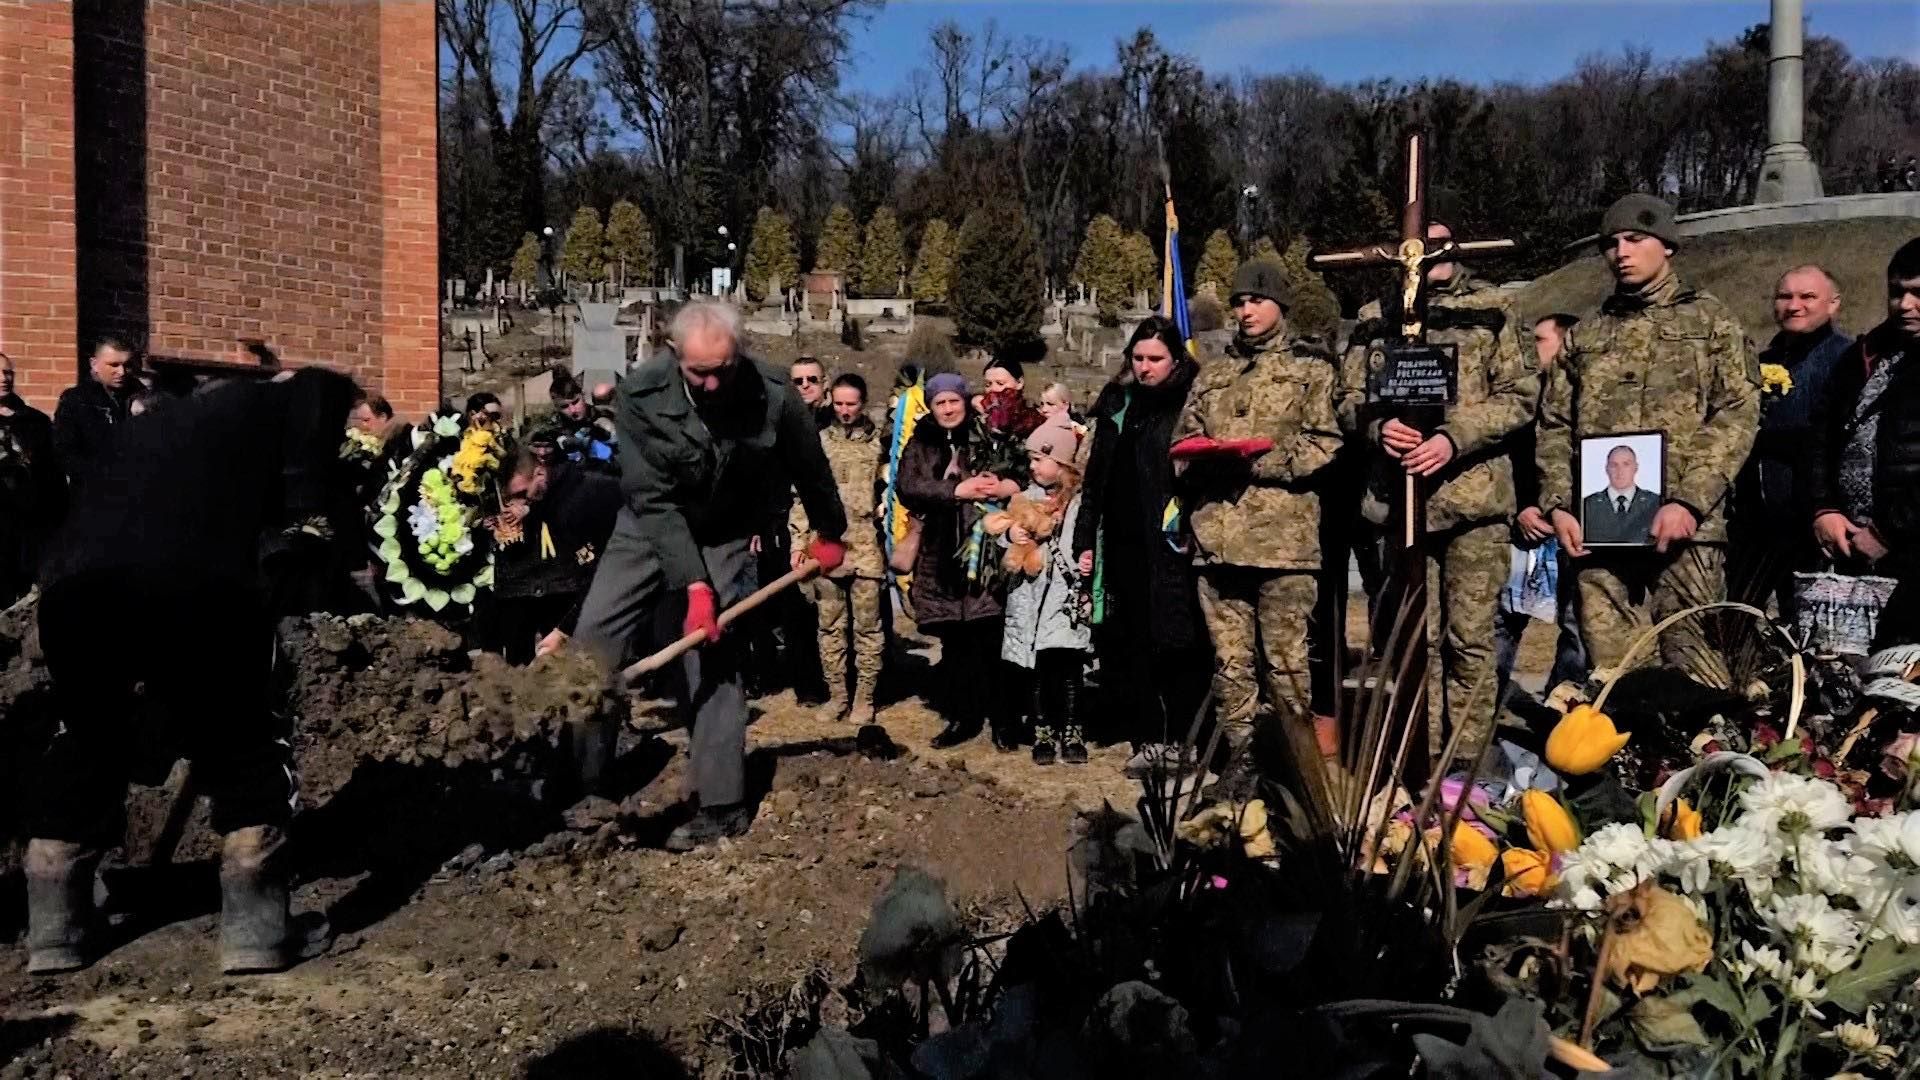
1346,40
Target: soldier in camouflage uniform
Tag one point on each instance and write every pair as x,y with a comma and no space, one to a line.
1659,357
849,598
1257,430
1466,462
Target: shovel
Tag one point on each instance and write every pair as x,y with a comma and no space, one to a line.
693,640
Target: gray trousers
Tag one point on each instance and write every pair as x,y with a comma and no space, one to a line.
628,594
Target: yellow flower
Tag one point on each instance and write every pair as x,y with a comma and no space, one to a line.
1775,379
1682,821
1582,741
1549,826
1471,848
1528,872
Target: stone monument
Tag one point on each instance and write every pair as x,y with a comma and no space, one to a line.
1787,172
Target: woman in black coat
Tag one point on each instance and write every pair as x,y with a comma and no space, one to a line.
1155,660
939,484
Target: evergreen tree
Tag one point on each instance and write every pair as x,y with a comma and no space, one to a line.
998,287
1217,263
839,247
883,257
1263,248
933,266
583,256
629,241
1103,264
525,270
771,253
1316,310
1142,266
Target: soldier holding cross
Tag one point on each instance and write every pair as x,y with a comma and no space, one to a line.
1659,357
1462,454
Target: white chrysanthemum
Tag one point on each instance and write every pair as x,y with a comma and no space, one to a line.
1734,853
1614,859
1806,986
1859,1038
1583,880
1899,912
1809,919
1829,867
1765,960
1792,804
1893,841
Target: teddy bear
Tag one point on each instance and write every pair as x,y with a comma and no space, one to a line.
1036,517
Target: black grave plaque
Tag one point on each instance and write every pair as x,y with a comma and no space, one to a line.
1411,374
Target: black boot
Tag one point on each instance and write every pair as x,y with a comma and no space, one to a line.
253,902
1045,750
59,905
1073,743
711,824
957,731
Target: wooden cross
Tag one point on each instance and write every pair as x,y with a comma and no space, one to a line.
1414,258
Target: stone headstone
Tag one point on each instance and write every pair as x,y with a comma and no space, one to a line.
599,341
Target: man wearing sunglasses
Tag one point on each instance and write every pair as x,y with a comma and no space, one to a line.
809,379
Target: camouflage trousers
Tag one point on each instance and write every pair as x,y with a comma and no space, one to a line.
1260,622
1623,594
1466,569
850,607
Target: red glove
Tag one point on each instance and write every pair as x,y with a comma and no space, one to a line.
828,553
1207,446
700,614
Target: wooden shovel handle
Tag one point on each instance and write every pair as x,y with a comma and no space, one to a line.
693,640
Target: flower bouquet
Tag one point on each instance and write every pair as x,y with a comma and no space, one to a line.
430,523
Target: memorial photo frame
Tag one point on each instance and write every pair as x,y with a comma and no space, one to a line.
1622,483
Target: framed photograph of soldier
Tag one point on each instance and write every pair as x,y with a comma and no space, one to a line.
1622,480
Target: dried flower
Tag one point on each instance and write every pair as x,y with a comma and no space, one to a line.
1654,935
1582,741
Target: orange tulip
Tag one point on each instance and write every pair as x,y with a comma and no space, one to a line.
1582,741
1549,826
1682,821
1528,872
1471,848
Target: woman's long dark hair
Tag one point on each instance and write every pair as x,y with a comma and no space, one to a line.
1161,327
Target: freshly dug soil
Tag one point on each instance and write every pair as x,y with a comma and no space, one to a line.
487,928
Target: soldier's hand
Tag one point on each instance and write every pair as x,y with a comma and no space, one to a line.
1534,525
1429,457
1397,438
1866,544
1086,563
1835,534
1566,528
1674,523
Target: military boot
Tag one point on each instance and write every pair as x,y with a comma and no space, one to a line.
253,902
834,709
864,711
59,905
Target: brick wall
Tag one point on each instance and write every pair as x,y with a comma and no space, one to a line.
256,170
38,311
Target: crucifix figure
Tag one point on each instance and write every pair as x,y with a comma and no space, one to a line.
1418,380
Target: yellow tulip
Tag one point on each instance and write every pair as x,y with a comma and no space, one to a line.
1549,826
1682,821
1582,741
1470,848
1528,872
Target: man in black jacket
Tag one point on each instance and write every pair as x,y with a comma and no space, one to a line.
91,410
160,550
31,487
1866,455
707,437
565,514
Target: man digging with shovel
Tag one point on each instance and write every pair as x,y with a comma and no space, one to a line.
161,551
706,437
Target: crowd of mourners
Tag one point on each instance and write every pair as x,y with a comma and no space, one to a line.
1176,549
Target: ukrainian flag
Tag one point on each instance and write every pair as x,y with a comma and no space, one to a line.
1173,284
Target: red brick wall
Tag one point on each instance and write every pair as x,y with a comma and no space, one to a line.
257,170
38,310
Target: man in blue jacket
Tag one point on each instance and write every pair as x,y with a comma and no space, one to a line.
1772,508
706,437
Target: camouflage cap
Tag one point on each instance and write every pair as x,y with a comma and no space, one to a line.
1264,278
1643,214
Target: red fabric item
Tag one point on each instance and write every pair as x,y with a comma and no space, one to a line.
701,615
1204,445
828,553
